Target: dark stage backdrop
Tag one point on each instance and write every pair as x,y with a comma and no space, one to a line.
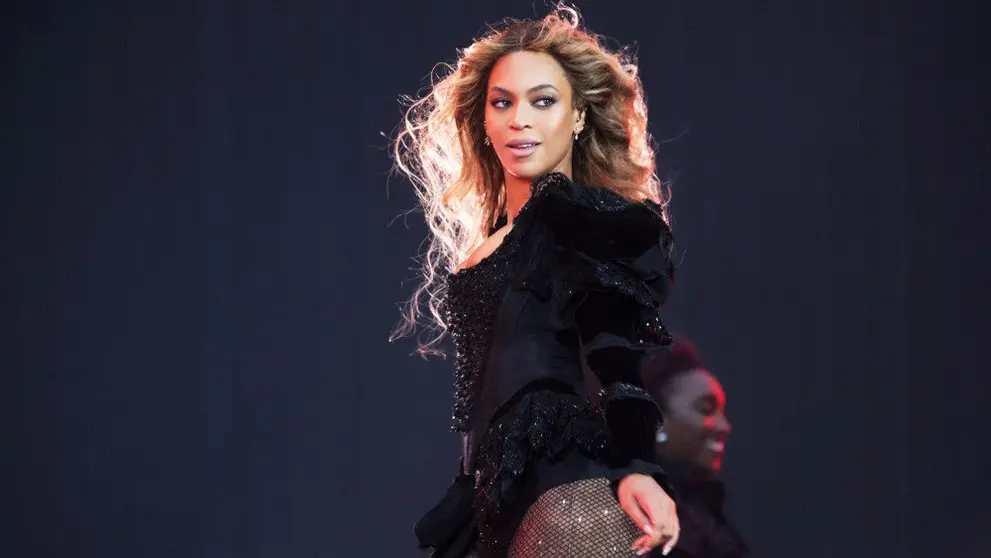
200,275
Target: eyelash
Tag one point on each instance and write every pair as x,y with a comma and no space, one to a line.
550,101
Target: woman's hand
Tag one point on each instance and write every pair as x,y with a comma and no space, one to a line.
652,510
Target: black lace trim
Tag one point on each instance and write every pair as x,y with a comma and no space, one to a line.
623,390
541,424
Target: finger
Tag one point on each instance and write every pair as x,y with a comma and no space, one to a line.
675,534
642,545
654,515
669,545
633,509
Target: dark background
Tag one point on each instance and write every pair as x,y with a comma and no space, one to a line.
199,272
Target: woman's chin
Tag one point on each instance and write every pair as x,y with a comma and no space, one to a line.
527,170
711,462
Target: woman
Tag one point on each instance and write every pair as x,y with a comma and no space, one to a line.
549,245
690,447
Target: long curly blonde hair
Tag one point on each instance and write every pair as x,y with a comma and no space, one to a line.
459,181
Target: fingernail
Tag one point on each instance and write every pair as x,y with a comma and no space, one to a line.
665,551
642,551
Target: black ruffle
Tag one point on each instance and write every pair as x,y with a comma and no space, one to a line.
448,528
541,424
575,239
633,408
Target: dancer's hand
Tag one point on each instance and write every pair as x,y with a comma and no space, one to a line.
652,510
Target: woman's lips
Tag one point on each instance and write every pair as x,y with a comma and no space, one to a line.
716,446
523,148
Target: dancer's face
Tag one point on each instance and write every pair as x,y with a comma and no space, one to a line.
530,115
695,420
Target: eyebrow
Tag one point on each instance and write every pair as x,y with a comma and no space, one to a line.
505,91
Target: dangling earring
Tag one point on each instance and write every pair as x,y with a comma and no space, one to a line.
581,124
661,436
487,141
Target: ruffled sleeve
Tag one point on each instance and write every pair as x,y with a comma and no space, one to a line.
605,262
576,239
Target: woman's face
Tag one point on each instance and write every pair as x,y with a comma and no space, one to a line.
529,115
695,420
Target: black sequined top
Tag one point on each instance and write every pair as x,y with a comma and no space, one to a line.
567,301
470,307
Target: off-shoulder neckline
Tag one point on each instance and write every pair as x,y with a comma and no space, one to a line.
493,256
510,236
539,184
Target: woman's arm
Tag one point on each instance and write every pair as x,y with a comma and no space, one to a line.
615,332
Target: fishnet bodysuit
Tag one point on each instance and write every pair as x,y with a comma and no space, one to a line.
581,519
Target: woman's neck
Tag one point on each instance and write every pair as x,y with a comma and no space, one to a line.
518,189
517,194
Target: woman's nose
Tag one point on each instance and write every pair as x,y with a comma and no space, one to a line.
521,118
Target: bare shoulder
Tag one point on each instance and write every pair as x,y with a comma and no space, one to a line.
486,248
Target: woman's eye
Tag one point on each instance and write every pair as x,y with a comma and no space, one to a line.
499,103
545,102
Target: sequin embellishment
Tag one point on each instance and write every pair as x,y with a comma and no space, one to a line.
473,298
